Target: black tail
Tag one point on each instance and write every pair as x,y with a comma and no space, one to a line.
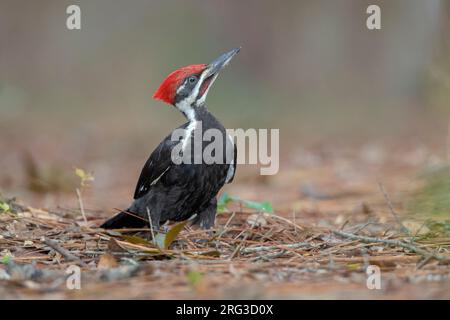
124,220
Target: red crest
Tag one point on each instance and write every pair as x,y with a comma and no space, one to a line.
168,88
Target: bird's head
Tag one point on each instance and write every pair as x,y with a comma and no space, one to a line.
187,87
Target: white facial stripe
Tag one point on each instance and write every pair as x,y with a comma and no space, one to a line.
185,105
194,92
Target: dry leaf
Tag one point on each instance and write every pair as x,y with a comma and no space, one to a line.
107,261
340,219
163,241
28,243
257,219
137,240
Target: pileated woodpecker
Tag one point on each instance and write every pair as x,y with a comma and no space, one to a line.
176,191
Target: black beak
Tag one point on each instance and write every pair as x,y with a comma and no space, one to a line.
218,64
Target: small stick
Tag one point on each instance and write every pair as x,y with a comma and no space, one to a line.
239,246
397,243
270,248
391,208
226,225
80,203
65,253
130,214
423,262
270,257
286,220
151,225
343,225
361,227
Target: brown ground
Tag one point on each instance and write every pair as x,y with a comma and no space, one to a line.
293,253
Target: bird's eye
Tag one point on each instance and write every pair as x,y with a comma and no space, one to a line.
192,79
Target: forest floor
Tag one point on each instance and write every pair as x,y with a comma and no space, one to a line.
336,220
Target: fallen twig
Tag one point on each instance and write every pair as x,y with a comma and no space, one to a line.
391,208
286,220
271,248
151,226
239,246
65,253
80,203
397,243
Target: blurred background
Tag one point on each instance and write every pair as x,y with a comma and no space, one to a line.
82,98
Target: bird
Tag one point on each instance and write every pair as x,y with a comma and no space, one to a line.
170,190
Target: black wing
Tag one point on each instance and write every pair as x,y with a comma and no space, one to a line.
156,166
